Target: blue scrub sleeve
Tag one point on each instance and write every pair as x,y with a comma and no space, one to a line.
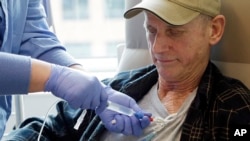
58,56
39,42
14,74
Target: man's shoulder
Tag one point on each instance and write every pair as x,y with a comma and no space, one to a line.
131,75
135,83
232,88
222,88
231,93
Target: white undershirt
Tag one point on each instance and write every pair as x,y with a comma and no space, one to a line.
151,103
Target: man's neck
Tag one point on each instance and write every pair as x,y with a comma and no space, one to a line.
173,94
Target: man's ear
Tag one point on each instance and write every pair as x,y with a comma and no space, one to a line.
217,29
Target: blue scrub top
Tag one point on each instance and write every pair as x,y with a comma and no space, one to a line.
24,34
5,101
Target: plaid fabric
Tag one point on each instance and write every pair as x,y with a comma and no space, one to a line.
221,106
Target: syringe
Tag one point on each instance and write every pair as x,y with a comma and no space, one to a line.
125,110
120,108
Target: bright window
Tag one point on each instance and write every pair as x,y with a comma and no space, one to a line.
79,50
90,30
75,9
114,8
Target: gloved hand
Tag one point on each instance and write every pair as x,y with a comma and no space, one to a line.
79,89
128,125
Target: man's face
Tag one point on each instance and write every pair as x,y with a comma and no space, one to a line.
179,52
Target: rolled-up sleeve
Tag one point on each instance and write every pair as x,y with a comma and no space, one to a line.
39,42
15,74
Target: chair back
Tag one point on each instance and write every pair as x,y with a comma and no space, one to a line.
232,54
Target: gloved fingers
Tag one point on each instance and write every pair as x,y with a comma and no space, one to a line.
93,101
117,124
141,114
147,114
128,129
128,125
131,125
144,118
80,89
103,101
98,98
70,99
86,101
101,107
105,92
144,122
136,126
110,119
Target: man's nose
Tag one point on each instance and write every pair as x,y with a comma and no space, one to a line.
161,44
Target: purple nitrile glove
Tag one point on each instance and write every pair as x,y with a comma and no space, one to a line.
119,123
79,89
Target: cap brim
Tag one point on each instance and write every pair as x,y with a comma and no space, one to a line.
166,10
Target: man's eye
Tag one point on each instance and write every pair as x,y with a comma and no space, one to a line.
173,32
151,30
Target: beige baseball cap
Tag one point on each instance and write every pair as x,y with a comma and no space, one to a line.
176,12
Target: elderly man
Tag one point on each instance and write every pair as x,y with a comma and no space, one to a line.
187,95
